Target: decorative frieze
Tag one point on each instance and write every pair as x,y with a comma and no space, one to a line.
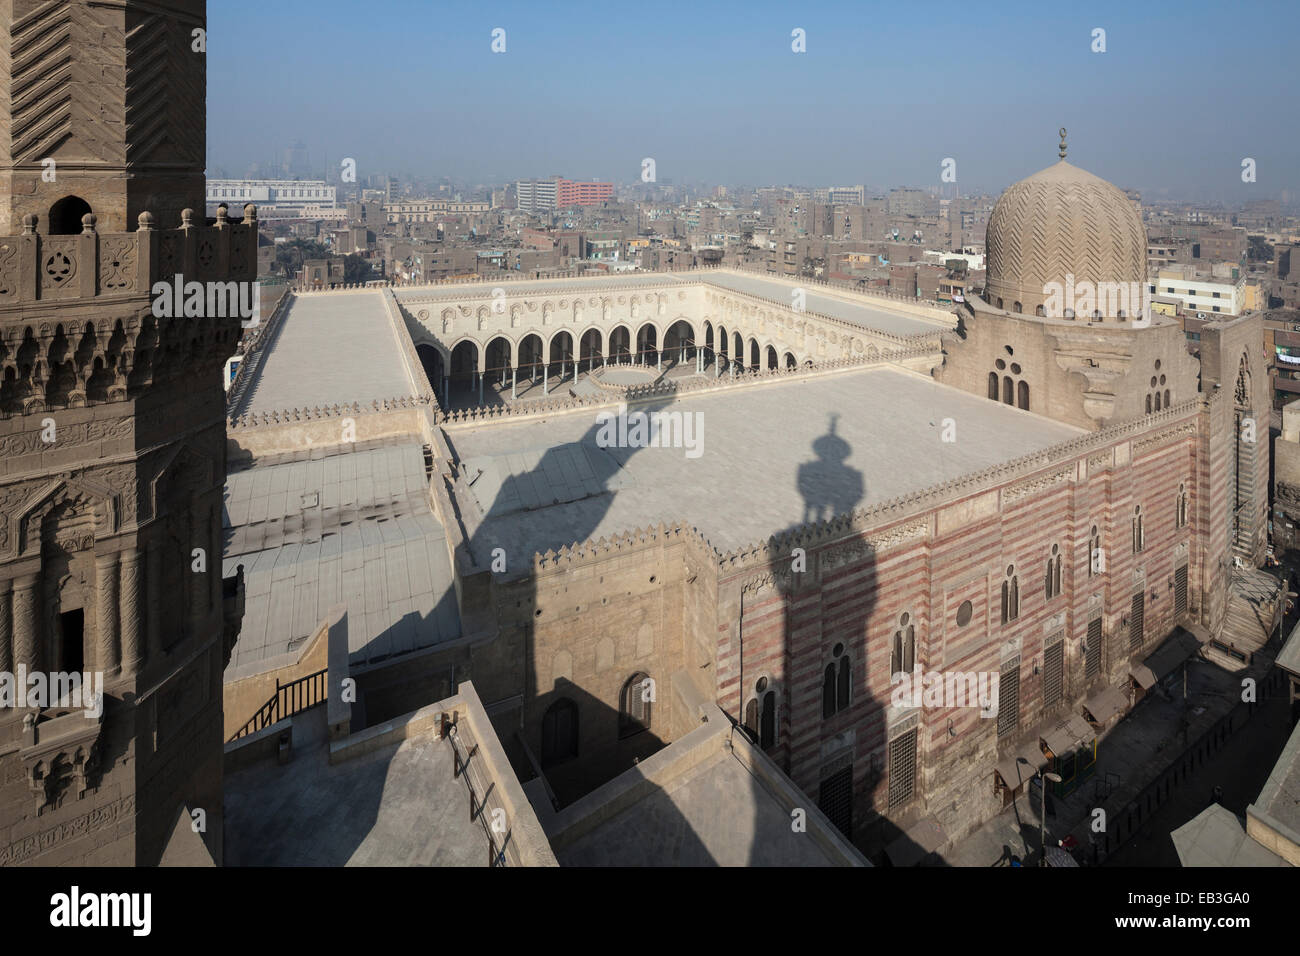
1164,438
1035,486
107,815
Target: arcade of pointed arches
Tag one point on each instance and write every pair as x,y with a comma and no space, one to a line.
518,345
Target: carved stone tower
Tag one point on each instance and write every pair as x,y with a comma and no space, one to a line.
112,436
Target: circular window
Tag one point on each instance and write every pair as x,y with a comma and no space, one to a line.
761,685
839,649
1015,368
1153,381
1000,364
964,613
1162,380
1157,365
1010,351
1011,569
905,618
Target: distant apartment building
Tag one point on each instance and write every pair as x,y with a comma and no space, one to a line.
602,245
536,195
907,202
841,195
1198,294
570,193
428,210
277,198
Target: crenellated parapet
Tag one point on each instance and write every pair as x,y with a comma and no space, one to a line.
289,416
585,552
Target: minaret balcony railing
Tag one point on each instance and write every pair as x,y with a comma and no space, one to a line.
93,265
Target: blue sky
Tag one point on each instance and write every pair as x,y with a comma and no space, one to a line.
713,91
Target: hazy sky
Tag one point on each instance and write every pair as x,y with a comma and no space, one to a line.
713,92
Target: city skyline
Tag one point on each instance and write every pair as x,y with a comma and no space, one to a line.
569,96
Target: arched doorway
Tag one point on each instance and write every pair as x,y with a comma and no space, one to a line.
620,344
463,388
561,355
647,345
679,342
431,360
65,216
496,361
589,349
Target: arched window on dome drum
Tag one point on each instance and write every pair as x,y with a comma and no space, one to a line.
1008,391
1017,307
993,386
1040,312
1022,395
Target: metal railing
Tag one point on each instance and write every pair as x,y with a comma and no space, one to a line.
296,696
482,808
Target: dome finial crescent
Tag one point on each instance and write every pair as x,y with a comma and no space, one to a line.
1062,151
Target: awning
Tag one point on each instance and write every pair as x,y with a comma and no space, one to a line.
1014,773
1142,675
1170,656
1105,705
919,841
1068,735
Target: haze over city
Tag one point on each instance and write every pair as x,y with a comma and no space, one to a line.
883,93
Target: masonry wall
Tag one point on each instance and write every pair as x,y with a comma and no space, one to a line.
856,589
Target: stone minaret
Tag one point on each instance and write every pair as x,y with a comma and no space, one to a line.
112,434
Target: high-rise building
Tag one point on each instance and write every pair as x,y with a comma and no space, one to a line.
536,195
570,193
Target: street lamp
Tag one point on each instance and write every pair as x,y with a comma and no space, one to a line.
1042,816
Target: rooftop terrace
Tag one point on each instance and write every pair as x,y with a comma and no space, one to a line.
352,527
328,350
767,458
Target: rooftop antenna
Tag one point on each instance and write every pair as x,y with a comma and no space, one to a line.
1062,151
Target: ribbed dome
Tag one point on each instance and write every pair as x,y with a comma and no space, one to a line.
1058,222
